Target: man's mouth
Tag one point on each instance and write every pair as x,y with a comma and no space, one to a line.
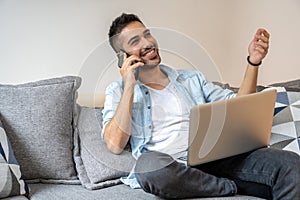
149,53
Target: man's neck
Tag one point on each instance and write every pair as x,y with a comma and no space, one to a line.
153,77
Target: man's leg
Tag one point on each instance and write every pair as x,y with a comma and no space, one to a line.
278,170
160,174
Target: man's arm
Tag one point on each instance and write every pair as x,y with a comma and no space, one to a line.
257,50
117,132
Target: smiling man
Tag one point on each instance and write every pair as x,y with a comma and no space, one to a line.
151,113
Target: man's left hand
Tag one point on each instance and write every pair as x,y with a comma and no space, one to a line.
259,46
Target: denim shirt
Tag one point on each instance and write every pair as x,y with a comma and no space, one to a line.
193,86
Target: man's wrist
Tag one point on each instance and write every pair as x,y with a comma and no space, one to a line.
253,64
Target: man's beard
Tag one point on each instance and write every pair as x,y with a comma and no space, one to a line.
148,65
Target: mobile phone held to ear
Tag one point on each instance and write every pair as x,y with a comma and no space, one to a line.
121,60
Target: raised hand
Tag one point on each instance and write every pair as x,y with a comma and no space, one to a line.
259,46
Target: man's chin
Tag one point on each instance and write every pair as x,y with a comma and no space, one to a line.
150,65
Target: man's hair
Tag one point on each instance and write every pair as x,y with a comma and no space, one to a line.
117,26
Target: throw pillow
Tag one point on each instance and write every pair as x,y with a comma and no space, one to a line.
96,166
11,182
38,118
286,122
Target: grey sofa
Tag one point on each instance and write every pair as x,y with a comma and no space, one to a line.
57,144
77,192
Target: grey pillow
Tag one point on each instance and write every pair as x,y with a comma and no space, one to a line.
38,119
96,166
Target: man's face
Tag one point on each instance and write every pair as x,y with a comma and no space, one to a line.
136,39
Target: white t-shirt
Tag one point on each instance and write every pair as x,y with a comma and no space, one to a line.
170,117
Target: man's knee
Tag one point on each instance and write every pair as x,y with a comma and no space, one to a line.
287,163
152,161
288,158
292,163
152,171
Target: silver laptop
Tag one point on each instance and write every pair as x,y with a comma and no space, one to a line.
230,127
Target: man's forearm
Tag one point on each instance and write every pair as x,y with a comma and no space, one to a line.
249,83
257,49
118,130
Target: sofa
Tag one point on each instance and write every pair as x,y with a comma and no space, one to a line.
51,146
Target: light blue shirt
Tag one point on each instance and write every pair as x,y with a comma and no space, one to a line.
192,84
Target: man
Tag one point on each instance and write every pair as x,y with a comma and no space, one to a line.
152,114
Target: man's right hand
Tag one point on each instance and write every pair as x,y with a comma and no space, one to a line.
128,68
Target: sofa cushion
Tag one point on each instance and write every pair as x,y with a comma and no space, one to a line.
118,192
11,182
38,118
77,192
286,121
96,166
16,198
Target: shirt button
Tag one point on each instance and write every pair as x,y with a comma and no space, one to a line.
150,126
146,92
149,107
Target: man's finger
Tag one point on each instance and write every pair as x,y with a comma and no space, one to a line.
263,44
264,39
266,34
262,33
261,50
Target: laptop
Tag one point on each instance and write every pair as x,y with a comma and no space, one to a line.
230,127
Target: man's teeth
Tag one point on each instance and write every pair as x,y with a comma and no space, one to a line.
150,52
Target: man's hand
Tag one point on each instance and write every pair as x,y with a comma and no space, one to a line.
257,50
259,46
129,65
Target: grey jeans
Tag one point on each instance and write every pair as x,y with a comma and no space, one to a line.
265,173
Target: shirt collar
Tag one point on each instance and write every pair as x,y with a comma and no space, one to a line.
171,73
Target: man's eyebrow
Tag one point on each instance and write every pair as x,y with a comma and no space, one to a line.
146,30
136,37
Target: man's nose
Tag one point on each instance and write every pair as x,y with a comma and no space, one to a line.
145,42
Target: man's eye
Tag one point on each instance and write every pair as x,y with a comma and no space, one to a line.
134,42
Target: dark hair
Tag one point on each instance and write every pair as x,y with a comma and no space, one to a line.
117,26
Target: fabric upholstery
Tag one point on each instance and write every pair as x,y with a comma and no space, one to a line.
286,122
96,166
11,182
38,118
16,198
118,192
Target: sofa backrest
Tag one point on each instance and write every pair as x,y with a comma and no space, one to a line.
91,100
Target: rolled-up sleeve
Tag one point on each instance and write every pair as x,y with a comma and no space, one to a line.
113,95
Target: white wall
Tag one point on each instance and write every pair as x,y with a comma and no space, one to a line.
41,39
282,20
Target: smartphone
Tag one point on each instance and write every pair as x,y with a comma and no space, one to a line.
121,57
121,60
